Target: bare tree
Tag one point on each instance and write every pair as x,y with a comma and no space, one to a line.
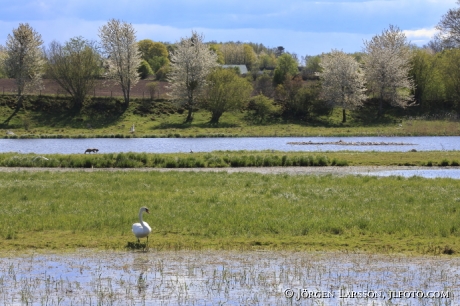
24,60
342,81
449,27
118,41
387,64
191,62
75,66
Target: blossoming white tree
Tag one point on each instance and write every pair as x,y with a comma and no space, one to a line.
191,62
118,41
342,82
387,64
24,60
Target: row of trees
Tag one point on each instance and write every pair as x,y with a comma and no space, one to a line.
385,71
389,70
194,79
76,64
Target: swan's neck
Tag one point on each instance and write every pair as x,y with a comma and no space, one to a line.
140,219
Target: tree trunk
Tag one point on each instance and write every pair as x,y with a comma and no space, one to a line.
215,117
189,114
19,104
344,116
380,112
190,107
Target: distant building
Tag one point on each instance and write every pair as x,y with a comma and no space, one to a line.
243,69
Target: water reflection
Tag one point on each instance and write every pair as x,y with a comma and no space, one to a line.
230,278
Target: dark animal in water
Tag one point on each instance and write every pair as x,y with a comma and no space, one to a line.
91,150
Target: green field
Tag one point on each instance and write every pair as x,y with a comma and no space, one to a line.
242,211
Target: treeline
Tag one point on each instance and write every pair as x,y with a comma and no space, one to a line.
389,71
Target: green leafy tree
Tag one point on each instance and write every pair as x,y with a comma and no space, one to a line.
220,55
264,85
286,64
3,56
153,89
450,65
149,49
262,108
144,69
225,91
75,66
158,62
295,98
426,71
312,67
156,54
266,61
250,57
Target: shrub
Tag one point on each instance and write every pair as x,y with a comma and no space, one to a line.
152,88
262,108
144,69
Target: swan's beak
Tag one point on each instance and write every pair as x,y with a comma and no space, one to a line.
147,211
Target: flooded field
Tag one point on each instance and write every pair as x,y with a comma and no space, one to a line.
227,278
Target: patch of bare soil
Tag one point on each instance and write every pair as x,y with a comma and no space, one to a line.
103,89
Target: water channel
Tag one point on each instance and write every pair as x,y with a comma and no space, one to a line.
173,145
310,144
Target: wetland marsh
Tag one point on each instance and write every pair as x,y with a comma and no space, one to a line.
226,278
228,237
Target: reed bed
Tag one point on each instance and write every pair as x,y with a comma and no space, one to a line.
218,159
138,160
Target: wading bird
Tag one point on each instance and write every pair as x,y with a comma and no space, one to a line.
142,229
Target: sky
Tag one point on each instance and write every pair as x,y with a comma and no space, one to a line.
304,27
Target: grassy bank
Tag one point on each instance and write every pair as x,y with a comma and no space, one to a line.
61,211
232,159
53,117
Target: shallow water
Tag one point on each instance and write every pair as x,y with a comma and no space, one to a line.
227,278
426,173
173,145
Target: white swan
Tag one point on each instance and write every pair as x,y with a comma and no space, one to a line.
142,229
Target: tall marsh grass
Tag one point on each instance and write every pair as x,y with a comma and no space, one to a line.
219,210
138,160
220,159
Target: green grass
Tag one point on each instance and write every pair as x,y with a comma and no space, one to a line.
53,210
52,117
218,159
